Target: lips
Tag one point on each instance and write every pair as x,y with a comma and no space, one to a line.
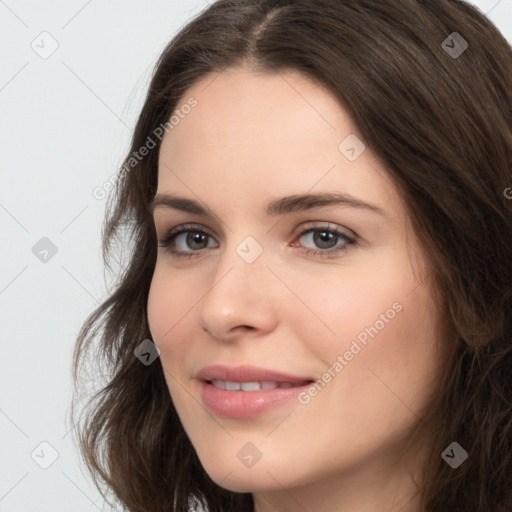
244,392
247,373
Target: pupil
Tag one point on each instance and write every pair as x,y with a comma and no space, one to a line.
195,238
322,242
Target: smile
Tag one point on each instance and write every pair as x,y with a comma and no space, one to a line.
253,386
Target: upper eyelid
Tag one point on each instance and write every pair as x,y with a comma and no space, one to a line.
187,226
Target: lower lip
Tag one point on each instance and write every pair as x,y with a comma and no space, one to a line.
246,404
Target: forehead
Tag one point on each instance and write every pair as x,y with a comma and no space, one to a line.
258,104
261,134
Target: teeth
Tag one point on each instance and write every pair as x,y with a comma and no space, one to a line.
219,384
253,386
250,386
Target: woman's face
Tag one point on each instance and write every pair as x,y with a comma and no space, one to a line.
274,275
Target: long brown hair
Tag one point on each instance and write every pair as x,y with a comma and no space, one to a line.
436,108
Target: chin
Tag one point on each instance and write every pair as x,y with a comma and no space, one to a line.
242,481
265,475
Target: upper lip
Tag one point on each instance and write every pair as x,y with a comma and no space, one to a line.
246,373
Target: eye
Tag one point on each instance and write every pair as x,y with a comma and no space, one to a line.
189,240
328,239
187,236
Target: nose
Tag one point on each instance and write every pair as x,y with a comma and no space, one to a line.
241,299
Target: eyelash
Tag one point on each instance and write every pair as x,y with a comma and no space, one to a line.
194,228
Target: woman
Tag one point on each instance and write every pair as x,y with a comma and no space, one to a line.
316,310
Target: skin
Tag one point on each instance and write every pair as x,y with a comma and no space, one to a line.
255,136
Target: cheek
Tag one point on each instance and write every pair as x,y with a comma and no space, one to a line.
389,368
382,324
169,309
169,302
339,306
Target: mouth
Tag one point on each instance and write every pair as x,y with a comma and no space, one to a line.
255,385
245,392
245,374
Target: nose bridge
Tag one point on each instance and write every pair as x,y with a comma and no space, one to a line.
243,259
241,269
239,292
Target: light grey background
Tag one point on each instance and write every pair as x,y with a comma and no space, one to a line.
66,122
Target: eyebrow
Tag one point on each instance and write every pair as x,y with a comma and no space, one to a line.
280,206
